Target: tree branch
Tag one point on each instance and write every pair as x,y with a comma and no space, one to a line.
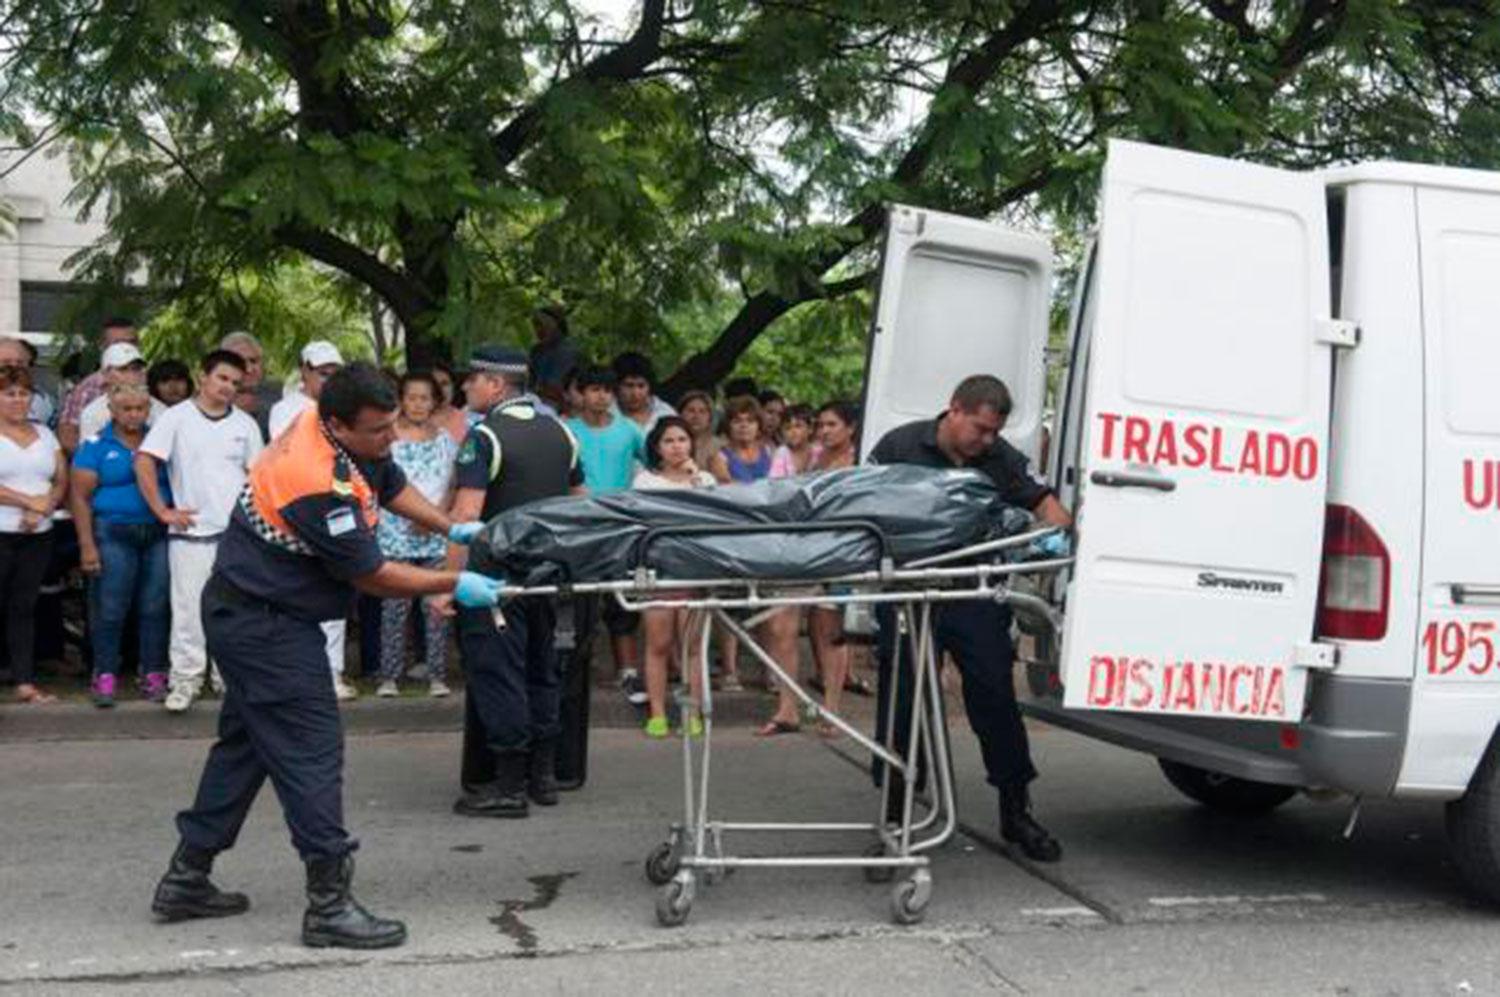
617,65
405,297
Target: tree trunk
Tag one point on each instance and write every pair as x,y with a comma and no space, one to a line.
706,369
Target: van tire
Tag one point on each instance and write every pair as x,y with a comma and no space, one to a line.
1473,823
1225,793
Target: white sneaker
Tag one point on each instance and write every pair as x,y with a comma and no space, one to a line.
632,687
343,690
437,688
178,700
387,689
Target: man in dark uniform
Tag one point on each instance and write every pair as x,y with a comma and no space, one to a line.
515,455
300,541
977,634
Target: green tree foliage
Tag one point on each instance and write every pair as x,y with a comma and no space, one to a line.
286,308
715,158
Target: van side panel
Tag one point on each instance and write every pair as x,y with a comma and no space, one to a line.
1456,692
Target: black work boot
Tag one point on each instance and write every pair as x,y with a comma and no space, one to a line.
1019,828
505,797
187,892
541,776
334,919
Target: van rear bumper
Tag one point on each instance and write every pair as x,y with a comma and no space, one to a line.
1352,739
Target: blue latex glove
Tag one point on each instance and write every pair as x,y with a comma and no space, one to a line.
464,533
476,591
1053,545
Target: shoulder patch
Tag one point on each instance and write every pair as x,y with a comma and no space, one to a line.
469,452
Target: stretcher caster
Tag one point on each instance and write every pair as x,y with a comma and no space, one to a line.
674,901
910,896
663,862
878,873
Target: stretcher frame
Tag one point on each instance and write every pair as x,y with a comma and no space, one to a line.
695,845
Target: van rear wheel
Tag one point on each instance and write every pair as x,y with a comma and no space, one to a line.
1225,793
1473,822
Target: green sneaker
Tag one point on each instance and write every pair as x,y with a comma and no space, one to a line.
657,727
695,726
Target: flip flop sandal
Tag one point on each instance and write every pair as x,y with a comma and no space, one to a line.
775,728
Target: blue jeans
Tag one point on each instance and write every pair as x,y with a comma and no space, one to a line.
133,571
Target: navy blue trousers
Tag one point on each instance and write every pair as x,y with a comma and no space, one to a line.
977,635
279,720
512,674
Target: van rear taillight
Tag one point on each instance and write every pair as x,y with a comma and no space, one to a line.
1354,597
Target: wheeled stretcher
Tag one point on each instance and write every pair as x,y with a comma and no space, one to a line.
656,573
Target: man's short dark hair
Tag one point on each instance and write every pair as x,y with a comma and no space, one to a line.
352,389
768,396
634,364
30,349
737,387
216,357
167,370
117,322
591,377
979,391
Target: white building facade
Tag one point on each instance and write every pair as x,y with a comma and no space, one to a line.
44,233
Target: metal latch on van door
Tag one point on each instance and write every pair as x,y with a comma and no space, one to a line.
1316,656
1339,332
909,222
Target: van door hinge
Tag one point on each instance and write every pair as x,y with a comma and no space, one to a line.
909,222
1316,656
1339,332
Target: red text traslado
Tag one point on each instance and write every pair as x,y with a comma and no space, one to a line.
1166,443
1203,687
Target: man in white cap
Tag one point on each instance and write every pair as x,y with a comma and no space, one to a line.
320,361
114,330
121,363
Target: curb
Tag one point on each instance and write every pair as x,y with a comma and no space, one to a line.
367,715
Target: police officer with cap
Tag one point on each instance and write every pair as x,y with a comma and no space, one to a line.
515,455
301,540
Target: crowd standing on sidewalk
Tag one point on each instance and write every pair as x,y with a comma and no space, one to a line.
130,478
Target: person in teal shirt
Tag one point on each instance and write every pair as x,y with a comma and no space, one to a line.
609,445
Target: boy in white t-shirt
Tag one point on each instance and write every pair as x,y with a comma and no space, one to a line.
207,445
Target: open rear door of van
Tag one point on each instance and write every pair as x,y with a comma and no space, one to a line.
1203,461
958,296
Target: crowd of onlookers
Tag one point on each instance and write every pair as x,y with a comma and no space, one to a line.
130,476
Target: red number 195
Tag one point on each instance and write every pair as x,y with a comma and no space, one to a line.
1451,646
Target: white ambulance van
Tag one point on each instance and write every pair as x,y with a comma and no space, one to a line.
1279,434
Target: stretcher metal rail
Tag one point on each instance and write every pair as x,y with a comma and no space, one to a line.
695,846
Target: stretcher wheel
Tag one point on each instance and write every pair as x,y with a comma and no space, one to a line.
662,864
674,901
910,896
878,873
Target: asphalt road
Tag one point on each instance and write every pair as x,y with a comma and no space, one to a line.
1153,895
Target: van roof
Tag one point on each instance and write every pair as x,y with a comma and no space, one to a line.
1413,175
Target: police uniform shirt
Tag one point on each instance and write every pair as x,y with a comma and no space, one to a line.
304,525
916,443
481,461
